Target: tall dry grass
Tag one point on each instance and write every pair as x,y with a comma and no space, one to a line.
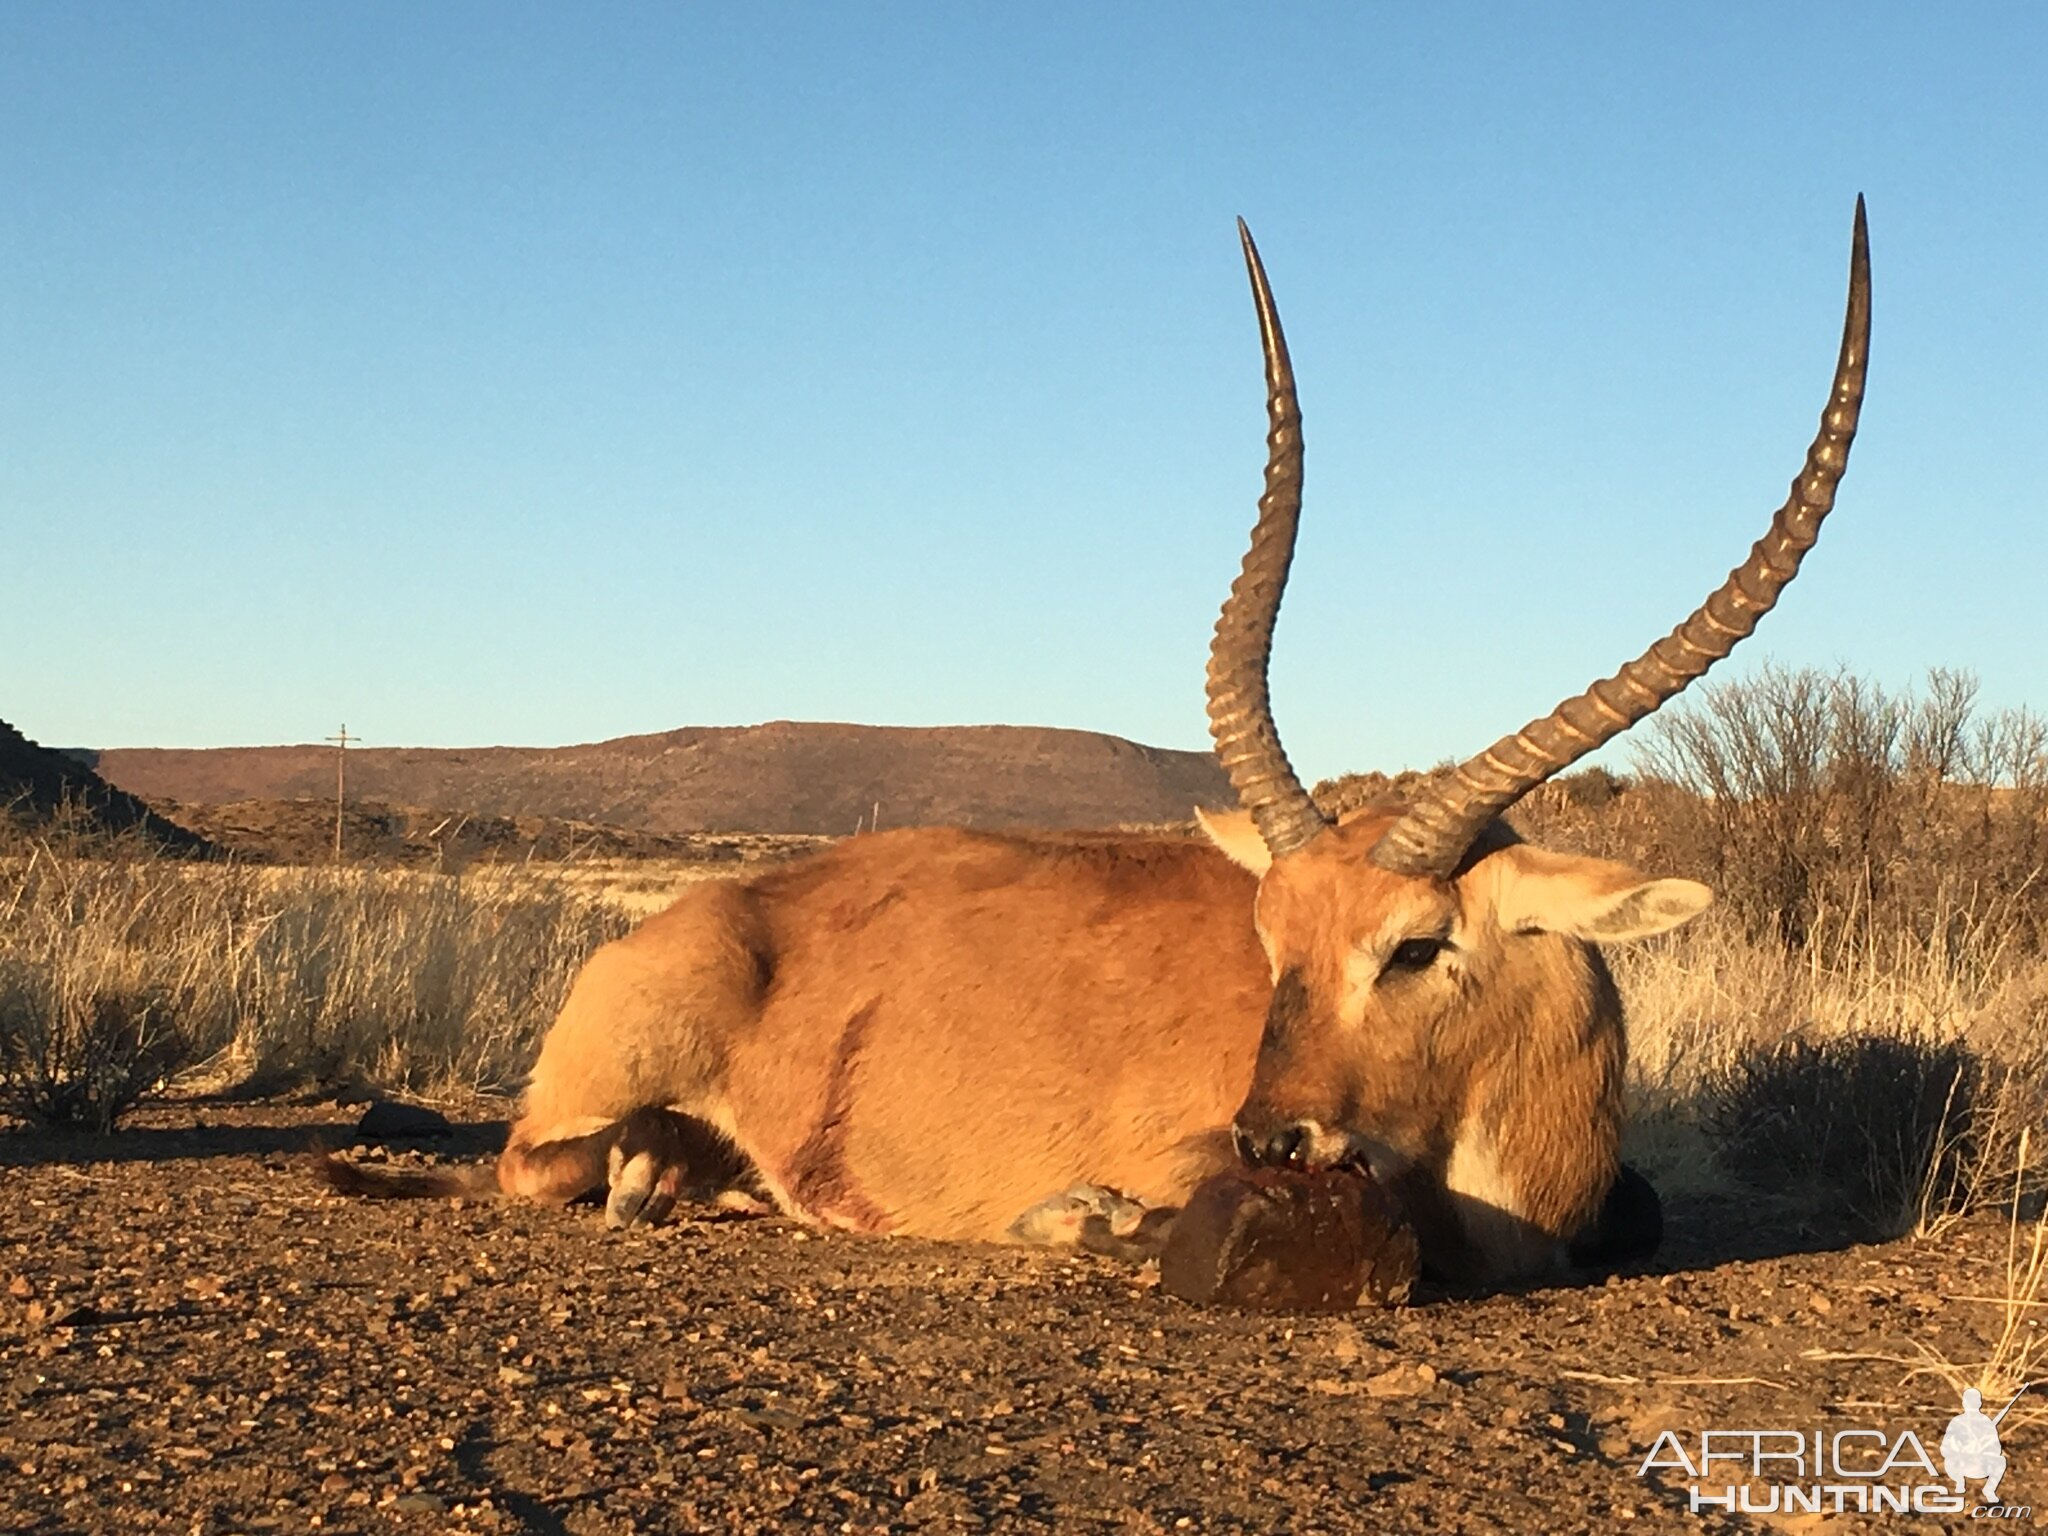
1886,1081
120,969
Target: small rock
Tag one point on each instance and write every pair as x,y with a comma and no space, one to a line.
1399,1381
768,1418
420,1503
389,1120
20,1289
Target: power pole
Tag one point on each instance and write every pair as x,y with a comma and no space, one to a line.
340,782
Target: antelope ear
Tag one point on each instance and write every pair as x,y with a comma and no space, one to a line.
1234,833
1537,891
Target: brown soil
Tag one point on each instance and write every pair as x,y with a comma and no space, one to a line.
195,1337
781,777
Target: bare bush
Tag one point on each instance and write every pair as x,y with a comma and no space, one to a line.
1823,809
80,1057
1829,814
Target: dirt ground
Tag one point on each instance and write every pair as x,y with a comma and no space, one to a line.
194,1336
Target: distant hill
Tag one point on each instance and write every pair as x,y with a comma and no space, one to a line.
784,777
40,786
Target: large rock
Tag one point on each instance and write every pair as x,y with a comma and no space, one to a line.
1281,1240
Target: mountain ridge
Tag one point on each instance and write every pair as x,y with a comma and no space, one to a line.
779,776
40,785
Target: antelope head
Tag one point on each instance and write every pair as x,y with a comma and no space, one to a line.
1440,1010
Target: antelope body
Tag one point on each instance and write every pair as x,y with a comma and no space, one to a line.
964,1036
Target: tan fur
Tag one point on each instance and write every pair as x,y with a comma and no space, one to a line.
932,1031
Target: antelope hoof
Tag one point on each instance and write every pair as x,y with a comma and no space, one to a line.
646,1164
643,1192
1131,1242
1069,1219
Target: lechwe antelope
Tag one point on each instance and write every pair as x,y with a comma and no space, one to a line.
957,1035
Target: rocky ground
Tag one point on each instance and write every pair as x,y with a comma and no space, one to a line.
194,1336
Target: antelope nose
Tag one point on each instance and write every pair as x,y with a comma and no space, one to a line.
1288,1146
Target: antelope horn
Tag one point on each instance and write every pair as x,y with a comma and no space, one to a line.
1434,834
1240,708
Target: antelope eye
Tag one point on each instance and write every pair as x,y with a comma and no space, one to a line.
1415,954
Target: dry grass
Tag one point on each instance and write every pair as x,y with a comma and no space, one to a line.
422,981
122,970
2019,1354
1890,1081
637,887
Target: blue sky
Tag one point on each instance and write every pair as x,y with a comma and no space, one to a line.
536,374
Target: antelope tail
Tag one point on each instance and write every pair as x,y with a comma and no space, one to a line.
477,1181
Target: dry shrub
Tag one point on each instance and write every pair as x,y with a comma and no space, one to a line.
1810,1072
1867,1124
87,1029
75,1056
1355,791
1824,809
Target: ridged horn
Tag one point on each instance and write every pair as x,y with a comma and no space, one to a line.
1240,707
1434,834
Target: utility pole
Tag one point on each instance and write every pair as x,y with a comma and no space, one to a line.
340,782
